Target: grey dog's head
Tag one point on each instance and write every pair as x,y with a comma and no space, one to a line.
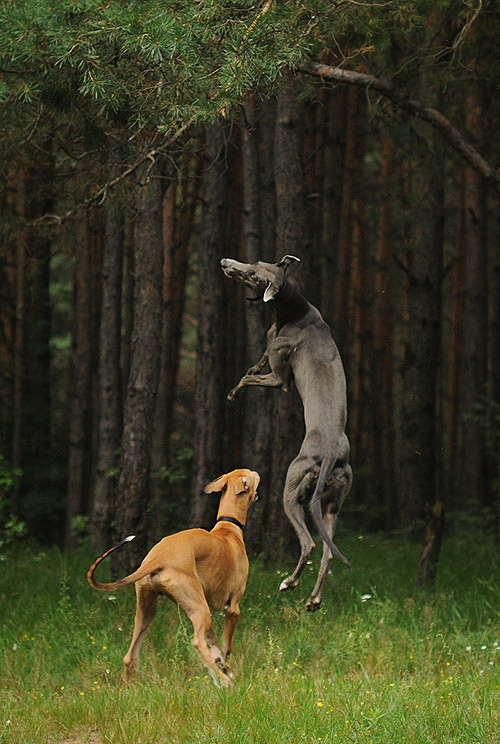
265,279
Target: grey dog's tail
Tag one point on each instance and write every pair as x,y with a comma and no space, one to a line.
315,508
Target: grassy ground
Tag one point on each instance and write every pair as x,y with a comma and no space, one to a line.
399,665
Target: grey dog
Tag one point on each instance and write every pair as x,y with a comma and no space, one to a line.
300,345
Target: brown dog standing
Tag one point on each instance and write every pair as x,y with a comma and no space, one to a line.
201,571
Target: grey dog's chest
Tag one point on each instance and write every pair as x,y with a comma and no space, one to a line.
299,347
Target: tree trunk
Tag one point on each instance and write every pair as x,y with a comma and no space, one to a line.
344,257
292,237
80,409
180,252
361,313
382,472
37,454
132,493
179,222
110,389
332,199
427,564
18,350
258,210
313,160
494,359
211,388
128,301
475,323
419,443
455,365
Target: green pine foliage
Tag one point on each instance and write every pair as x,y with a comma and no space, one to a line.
156,63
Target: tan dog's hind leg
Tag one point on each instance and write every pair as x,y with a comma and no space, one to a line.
230,621
147,601
188,593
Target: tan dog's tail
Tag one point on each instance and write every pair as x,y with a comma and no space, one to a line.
315,508
130,579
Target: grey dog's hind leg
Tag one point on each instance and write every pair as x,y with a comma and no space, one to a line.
294,510
343,476
314,601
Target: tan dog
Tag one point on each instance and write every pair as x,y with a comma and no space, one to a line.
200,571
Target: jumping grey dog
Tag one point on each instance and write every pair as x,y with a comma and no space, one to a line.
300,345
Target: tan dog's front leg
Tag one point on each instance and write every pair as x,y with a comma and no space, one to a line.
188,593
217,654
202,623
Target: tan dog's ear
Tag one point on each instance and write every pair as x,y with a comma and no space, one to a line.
241,485
216,485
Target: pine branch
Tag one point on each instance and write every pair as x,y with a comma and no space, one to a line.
102,192
415,107
100,195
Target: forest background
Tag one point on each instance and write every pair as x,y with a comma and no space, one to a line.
142,142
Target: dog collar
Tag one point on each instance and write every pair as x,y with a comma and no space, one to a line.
233,521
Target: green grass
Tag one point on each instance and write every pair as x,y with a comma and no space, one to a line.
405,665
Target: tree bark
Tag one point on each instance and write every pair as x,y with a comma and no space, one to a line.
258,205
211,387
37,446
419,443
429,558
132,493
361,312
344,258
80,408
180,252
18,345
455,365
381,377
332,198
475,327
292,237
110,376
179,223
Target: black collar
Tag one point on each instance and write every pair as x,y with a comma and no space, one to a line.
233,521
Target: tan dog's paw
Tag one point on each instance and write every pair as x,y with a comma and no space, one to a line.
217,656
220,679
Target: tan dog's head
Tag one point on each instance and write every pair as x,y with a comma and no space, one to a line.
239,489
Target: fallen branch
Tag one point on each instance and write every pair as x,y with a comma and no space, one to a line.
415,107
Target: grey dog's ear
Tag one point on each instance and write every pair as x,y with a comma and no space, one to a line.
272,289
270,292
287,260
